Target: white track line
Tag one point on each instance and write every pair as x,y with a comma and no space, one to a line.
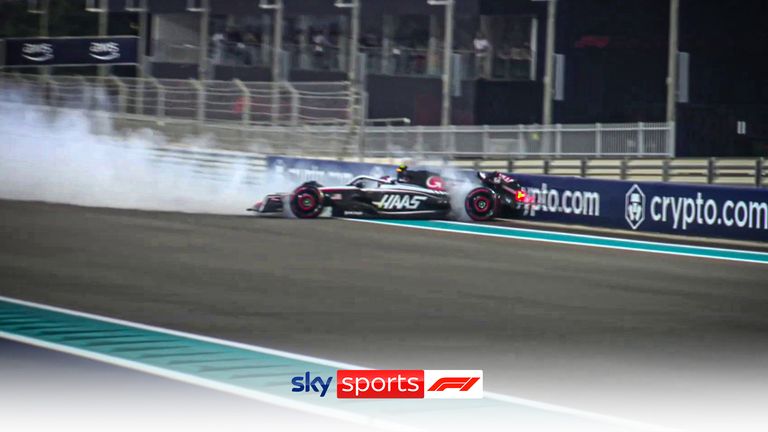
275,400
576,242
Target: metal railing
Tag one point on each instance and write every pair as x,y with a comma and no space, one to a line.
246,103
628,139
716,171
319,118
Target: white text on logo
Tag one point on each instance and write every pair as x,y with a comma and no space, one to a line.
400,202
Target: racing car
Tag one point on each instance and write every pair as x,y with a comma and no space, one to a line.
413,194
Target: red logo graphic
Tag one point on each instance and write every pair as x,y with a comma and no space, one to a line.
380,384
461,383
409,384
436,183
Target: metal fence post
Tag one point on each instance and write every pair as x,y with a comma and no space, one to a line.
521,139
711,170
420,141
198,85
583,167
759,172
598,139
295,101
246,115
486,140
546,166
453,139
558,139
87,92
623,169
160,98
665,170
671,139
55,96
640,138
121,94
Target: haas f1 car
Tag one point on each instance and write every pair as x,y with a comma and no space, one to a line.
414,194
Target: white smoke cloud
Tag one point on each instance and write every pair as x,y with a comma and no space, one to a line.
78,157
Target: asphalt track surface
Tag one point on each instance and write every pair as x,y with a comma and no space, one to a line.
624,333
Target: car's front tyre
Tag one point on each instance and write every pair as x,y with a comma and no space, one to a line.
306,202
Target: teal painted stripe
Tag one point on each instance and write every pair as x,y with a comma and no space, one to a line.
253,369
584,240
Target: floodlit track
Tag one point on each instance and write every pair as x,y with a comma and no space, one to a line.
548,321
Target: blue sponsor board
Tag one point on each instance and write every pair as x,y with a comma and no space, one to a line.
707,211
71,51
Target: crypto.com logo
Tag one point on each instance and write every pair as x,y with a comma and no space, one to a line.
395,384
634,210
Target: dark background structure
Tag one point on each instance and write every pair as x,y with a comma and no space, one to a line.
615,63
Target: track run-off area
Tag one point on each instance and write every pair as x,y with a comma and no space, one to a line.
649,334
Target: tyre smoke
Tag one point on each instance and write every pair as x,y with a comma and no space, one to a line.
79,157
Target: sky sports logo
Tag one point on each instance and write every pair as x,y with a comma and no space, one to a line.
394,384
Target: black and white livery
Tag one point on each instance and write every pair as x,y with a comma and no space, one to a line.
414,194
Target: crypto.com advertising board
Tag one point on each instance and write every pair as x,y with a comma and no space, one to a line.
696,210
706,210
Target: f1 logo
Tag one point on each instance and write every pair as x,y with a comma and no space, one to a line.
461,383
453,384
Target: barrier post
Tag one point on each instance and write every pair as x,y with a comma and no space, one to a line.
623,169
598,140
160,98
121,93
420,141
759,172
711,170
640,138
246,114
198,85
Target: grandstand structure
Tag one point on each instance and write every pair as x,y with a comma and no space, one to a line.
599,70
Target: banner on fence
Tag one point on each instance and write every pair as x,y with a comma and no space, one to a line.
71,51
693,210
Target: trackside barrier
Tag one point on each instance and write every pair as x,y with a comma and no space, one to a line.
694,210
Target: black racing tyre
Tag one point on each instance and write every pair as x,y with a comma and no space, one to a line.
307,202
481,204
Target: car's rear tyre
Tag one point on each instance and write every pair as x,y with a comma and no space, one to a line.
306,202
481,204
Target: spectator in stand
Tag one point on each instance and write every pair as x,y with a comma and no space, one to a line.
249,47
319,48
482,55
234,35
505,55
217,53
